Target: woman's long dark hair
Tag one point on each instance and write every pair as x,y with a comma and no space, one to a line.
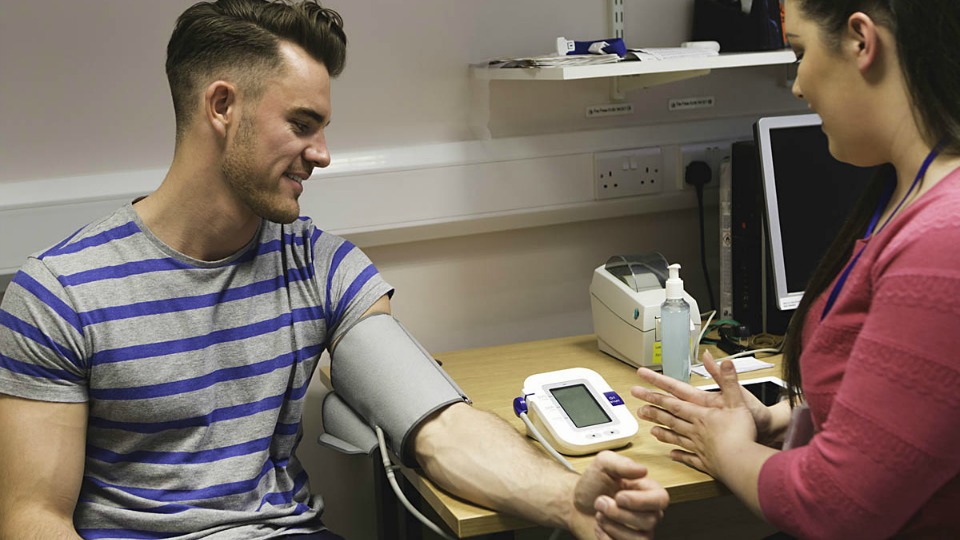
925,33
832,263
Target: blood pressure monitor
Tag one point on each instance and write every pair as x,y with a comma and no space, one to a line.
576,411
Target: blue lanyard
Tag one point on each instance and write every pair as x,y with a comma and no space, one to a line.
884,200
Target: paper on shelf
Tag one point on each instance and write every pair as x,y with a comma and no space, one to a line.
667,53
553,60
568,60
746,363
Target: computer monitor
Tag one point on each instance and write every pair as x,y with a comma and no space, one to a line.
808,195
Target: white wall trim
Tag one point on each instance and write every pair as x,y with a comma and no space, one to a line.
401,194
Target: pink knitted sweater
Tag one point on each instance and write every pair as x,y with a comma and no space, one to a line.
881,374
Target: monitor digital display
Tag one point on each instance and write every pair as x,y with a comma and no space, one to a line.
580,406
808,195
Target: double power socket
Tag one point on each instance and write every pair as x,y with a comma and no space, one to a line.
626,173
644,171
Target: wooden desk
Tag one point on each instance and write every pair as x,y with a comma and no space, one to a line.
493,376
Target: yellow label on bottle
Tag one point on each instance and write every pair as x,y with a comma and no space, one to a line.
657,353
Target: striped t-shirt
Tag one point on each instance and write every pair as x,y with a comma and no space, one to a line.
194,372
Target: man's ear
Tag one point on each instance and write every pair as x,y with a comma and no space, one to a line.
220,106
863,40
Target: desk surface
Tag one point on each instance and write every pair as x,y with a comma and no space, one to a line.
493,376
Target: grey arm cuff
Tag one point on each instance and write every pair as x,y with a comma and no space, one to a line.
386,376
343,430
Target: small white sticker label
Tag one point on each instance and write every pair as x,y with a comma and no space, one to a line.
611,109
683,104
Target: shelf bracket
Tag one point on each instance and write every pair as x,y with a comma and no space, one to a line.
619,86
479,117
616,18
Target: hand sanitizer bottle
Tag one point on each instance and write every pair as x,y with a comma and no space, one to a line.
675,329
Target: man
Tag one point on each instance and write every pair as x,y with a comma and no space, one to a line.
153,365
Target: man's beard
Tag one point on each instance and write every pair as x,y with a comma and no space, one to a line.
247,182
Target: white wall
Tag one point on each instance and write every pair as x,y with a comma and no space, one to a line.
82,93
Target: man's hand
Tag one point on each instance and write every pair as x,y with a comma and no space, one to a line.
616,492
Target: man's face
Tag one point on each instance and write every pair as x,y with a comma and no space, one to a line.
280,139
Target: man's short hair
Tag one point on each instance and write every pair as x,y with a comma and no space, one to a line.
239,40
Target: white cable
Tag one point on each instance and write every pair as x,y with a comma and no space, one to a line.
706,326
546,445
389,467
555,535
391,477
739,354
747,353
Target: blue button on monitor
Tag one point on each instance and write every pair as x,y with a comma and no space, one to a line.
613,398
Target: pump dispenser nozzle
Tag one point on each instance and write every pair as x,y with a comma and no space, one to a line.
674,283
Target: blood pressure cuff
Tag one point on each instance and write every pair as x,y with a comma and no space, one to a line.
343,429
386,376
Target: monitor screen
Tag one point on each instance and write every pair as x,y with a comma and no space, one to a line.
808,195
580,406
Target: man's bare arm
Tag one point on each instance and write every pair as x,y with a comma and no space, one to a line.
41,467
480,457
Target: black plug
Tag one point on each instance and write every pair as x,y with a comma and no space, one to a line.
697,174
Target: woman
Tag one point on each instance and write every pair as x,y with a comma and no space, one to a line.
872,349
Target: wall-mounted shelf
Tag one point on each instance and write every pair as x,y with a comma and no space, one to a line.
624,76
644,73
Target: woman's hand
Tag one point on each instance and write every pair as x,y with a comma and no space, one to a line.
707,426
769,426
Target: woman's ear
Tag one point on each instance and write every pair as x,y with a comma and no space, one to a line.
220,106
863,40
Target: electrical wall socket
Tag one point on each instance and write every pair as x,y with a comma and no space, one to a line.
627,173
711,153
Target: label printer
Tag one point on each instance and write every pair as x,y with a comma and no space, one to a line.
625,298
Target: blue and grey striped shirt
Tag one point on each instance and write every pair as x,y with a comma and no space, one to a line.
195,372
